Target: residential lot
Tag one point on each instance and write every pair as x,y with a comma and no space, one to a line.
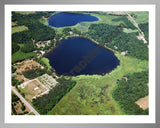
37,87
32,89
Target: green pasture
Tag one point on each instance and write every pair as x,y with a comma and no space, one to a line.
19,55
18,28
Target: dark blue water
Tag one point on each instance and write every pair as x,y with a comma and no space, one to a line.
76,56
63,19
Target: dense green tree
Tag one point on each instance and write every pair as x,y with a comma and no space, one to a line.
127,92
15,47
15,98
15,82
13,69
28,47
144,28
22,106
33,73
111,36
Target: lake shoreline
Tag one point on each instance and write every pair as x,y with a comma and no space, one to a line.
77,57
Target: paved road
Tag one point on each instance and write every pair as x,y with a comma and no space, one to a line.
25,102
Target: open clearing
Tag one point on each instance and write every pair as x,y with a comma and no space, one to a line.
27,65
141,17
14,24
32,89
129,30
19,29
19,55
143,102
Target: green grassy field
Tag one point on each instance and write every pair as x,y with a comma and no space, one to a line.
142,17
129,30
31,113
21,55
93,92
46,62
19,29
108,19
14,23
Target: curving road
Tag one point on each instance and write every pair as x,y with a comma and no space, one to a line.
25,102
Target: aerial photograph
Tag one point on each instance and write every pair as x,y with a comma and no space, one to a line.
80,63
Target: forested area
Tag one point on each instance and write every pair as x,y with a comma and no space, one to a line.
129,42
33,73
45,103
29,18
15,82
36,31
127,92
15,98
144,28
123,41
15,47
100,32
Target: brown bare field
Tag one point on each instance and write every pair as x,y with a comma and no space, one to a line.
27,65
21,77
33,89
143,102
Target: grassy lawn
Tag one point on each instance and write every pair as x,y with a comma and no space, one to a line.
14,23
94,93
31,113
129,30
107,19
46,62
18,56
19,29
142,17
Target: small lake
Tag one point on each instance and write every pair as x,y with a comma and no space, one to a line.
64,19
77,56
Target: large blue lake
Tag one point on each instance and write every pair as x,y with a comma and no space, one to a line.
63,19
77,56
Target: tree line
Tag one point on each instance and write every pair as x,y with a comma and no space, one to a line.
33,73
127,92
